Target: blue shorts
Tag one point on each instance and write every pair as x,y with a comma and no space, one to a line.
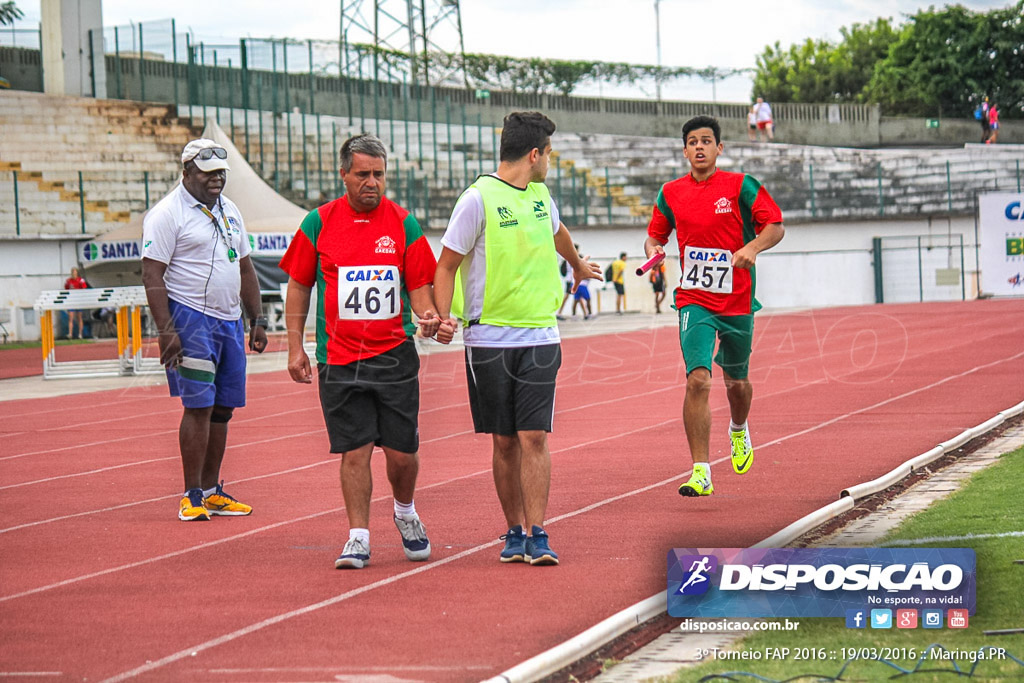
213,369
582,293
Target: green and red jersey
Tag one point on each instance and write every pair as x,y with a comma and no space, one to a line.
712,220
364,265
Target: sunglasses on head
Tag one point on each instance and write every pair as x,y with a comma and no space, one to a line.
211,152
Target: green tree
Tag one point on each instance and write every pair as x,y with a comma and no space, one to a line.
822,71
946,59
9,12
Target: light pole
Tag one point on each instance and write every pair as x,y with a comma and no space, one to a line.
657,43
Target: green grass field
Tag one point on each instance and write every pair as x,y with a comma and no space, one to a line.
990,503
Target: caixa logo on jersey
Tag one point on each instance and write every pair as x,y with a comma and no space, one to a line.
370,275
816,582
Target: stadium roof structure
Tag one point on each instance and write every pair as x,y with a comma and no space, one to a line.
262,208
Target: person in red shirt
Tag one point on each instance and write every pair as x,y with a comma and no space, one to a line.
75,282
722,222
373,268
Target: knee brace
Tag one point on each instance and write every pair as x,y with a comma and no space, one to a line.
221,414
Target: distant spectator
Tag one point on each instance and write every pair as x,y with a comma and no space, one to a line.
75,282
993,124
752,124
763,114
619,281
582,299
658,285
981,114
567,278
107,316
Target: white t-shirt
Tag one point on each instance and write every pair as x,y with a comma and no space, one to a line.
199,274
465,235
764,112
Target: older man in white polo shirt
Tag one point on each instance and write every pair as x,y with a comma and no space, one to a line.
198,275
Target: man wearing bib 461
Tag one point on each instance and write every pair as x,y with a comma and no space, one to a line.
722,222
372,268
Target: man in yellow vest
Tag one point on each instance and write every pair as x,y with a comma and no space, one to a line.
498,274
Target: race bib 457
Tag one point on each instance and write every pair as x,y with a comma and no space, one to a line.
368,292
707,269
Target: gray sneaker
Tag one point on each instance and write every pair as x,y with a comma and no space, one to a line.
414,537
356,555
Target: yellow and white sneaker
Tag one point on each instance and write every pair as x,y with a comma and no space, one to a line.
220,503
191,508
742,451
698,485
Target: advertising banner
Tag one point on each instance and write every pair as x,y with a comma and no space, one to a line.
1001,221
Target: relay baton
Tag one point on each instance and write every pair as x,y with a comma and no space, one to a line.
651,262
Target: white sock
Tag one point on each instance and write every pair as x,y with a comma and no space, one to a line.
209,492
403,509
737,428
703,469
362,534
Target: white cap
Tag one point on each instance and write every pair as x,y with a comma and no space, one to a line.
214,163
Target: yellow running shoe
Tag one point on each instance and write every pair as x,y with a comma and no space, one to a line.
220,503
698,485
191,508
742,451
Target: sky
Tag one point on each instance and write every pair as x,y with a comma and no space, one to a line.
725,34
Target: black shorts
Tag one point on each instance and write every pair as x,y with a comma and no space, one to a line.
512,389
619,288
374,400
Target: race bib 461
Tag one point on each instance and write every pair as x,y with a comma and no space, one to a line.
368,292
707,269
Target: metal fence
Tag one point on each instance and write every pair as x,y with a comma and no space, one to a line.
918,268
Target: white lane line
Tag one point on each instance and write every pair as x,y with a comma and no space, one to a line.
134,416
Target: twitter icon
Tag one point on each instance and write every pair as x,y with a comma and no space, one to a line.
881,618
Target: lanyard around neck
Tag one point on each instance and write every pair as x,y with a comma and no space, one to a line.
222,231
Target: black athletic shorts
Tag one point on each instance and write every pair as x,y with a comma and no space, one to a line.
374,400
512,389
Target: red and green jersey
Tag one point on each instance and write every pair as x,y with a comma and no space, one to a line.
712,220
364,265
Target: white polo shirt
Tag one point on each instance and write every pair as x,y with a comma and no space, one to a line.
199,274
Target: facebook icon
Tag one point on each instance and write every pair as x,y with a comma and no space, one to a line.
856,618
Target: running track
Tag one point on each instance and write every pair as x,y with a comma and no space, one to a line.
99,581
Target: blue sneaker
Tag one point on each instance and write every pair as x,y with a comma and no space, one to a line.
414,537
515,545
356,555
537,550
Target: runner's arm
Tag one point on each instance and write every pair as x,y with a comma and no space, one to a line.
252,303
296,308
770,236
582,268
156,295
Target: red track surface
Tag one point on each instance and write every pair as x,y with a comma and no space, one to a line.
99,580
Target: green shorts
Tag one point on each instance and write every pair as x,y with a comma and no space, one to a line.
697,329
